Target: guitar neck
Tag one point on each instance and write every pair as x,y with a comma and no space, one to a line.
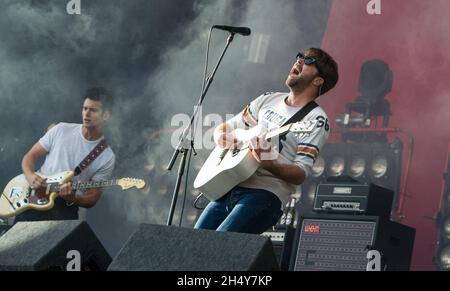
86,185
278,131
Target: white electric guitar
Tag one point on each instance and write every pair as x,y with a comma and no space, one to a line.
19,197
226,168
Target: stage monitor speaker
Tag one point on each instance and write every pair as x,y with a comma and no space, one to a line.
282,239
170,248
49,245
342,242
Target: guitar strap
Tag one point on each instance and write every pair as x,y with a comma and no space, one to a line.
301,113
99,148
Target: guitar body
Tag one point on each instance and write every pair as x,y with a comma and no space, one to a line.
18,196
219,175
225,169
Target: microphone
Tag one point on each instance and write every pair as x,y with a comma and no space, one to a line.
234,29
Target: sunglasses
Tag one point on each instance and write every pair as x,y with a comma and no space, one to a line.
308,61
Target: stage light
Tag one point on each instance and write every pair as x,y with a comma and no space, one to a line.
162,168
163,189
444,258
147,189
336,166
357,167
191,216
379,163
311,192
150,165
318,167
375,82
198,164
446,227
379,167
195,192
442,253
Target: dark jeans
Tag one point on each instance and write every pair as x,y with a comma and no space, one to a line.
60,211
242,210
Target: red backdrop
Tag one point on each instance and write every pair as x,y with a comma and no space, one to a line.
411,36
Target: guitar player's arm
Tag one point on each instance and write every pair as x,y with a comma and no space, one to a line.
90,197
29,162
306,154
290,173
87,200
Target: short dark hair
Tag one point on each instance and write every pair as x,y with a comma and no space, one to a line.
327,66
100,94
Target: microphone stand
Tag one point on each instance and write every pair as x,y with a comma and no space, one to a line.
184,144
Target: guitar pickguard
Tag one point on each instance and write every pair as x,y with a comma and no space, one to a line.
18,195
15,192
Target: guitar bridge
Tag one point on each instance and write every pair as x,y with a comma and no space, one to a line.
15,192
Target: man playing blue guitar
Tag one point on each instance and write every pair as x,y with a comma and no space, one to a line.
254,205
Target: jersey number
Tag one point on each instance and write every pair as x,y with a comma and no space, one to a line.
322,122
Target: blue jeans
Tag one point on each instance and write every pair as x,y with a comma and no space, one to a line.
242,210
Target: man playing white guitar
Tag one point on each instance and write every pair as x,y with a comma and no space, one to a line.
254,205
64,146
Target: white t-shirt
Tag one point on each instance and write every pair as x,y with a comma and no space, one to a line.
67,147
272,110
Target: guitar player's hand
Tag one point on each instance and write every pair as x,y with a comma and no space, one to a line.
35,181
226,140
261,151
67,193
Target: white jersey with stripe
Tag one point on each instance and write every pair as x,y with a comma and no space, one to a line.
271,110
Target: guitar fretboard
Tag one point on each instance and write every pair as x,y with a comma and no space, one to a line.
86,185
278,131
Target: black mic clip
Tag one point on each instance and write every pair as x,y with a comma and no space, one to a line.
245,31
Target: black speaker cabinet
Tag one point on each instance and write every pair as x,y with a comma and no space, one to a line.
50,245
170,248
282,239
341,243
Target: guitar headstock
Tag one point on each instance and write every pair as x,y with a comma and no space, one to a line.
303,126
127,183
